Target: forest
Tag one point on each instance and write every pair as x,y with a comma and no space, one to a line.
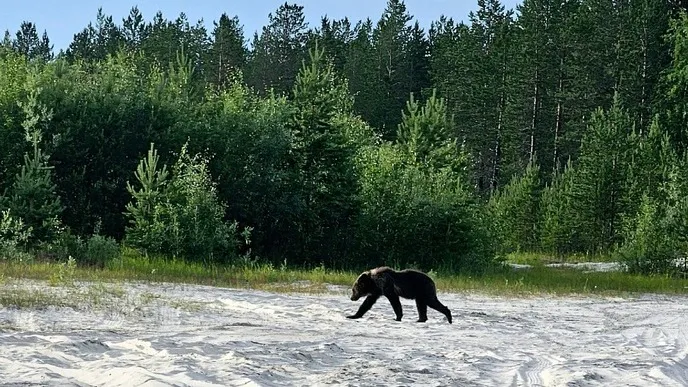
559,127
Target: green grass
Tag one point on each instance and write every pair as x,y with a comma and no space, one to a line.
133,267
34,299
563,281
539,259
534,281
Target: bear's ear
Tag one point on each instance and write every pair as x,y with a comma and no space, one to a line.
363,277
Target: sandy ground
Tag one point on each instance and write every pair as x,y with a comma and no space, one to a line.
164,335
584,266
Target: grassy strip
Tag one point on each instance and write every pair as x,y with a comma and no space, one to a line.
562,281
538,280
538,259
132,267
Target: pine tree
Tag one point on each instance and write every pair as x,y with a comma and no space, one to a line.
33,197
491,67
514,209
95,43
599,190
673,104
134,29
557,218
361,71
418,60
228,51
324,159
334,37
178,214
427,135
453,53
546,98
278,50
6,44
642,55
651,162
390,40
154,181
28,43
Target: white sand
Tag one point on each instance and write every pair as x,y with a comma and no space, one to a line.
585,266
148,335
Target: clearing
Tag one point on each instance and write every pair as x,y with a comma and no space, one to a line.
133,334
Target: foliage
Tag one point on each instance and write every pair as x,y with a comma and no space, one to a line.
557,220
179,215
64,274
600,184
33,195
100,250
427,135
649,246
420,217
380,148
14,236
514,212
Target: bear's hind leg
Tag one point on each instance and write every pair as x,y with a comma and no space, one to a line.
422,310
437,305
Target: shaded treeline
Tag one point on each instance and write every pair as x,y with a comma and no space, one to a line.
556,127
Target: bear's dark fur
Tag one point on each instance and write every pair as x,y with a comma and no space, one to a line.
411,284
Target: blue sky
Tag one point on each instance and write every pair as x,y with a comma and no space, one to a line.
62,19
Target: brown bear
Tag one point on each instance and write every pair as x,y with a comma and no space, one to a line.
411,284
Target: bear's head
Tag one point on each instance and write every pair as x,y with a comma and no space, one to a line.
363,286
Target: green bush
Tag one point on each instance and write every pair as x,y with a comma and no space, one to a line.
557,219
415,216
33,196
14,235
66,245
650,246
179,215
100,250
513,211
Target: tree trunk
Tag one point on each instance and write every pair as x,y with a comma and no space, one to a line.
643,80
496,163
558,127
534,115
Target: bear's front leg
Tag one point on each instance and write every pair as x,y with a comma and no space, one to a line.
396,304
365,306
